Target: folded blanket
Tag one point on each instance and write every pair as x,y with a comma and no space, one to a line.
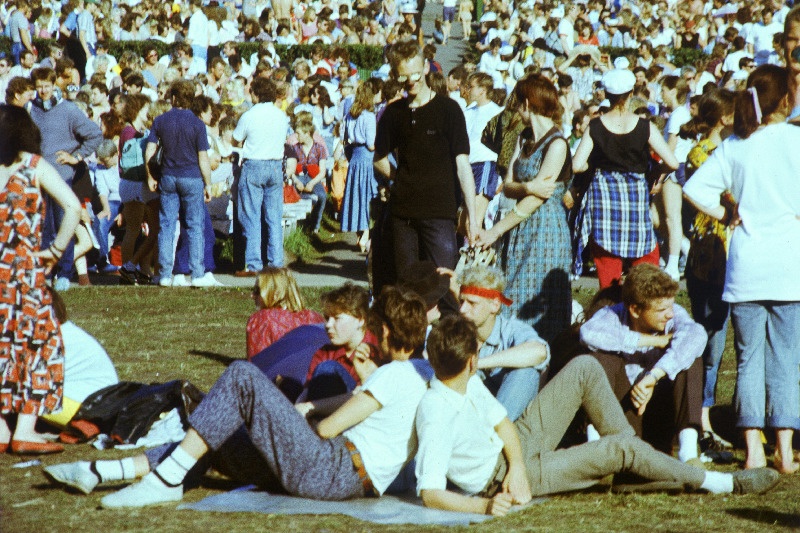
383,510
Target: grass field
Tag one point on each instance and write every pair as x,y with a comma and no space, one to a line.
155,334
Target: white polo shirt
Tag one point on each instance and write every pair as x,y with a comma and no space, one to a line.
263,129
456,437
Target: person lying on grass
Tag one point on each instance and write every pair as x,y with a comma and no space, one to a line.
255,435
466,439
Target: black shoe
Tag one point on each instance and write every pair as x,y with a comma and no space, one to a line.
142,278
127,277
755,480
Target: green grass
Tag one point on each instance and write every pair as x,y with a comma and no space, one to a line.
154,334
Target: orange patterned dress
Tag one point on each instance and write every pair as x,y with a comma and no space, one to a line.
31,348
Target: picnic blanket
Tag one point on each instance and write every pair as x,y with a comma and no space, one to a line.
388,509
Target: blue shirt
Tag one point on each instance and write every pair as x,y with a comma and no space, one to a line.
507,333
182,135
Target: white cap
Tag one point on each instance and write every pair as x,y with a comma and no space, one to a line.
506,50
619,81
622,62
409,6
489,16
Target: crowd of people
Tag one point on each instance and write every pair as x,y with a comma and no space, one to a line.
543,153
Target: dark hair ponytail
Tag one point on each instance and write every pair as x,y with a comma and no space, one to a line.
711,107
767,86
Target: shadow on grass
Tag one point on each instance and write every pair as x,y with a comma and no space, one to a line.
218,357
767,517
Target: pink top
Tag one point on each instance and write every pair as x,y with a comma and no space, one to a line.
265,326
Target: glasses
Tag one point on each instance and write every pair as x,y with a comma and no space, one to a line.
413,78
72,88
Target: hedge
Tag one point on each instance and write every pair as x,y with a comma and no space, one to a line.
368,58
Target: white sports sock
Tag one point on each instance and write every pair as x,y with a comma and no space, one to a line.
115,470
174,468
718,483
591,433
687,444
686,244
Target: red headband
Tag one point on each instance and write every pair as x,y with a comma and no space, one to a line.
486,293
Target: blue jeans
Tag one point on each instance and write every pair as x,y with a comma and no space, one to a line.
712,313
330,379
181,265
16,51
319,196
260,202
768,350
101,227
514,388
177,193
53,216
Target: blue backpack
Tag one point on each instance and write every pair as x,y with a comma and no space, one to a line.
131,160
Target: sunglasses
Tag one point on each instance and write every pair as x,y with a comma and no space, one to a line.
413,78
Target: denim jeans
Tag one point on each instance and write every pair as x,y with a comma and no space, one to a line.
768,351
181,265
101,227
330,379
514,388
53,217
177,193
712,313
16,51
260,202
319,196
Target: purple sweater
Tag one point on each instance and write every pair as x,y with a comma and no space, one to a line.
66,127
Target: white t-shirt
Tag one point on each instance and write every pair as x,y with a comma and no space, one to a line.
198,29
260,142
476,118
761,172
678,118
385,439
566,29
457,440
87,367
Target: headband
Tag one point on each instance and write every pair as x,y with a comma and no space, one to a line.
754,93
486,293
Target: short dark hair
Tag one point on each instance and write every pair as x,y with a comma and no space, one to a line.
264,89
182,93
18,85
645,283
18,133
43,74
453,341
404,313
348,298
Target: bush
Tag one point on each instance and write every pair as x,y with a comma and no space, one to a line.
367,58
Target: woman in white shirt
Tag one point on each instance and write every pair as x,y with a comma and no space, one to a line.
760,167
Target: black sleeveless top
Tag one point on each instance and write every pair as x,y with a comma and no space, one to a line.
627,152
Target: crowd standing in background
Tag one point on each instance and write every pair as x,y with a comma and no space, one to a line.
542,149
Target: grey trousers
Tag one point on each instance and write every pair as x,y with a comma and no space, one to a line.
257,436
583,383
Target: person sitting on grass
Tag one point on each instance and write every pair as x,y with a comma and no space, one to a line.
465,438
511,356
356,451
651,351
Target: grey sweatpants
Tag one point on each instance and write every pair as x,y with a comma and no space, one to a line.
583,383
257,436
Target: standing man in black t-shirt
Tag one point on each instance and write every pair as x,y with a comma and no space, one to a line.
429,136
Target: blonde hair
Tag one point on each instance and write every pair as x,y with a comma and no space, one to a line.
277,288
483,276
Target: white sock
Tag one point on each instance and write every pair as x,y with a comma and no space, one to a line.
672,263
114,470
174,468
718,483
686,244
591,433
687,444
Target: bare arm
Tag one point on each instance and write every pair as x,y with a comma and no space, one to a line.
52,183
516,481
528,354
355,410
580,163
149,152
659,146
384,167
467,182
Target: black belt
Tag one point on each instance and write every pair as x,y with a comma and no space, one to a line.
358,464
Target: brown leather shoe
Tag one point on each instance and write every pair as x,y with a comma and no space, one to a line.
245,274
23,447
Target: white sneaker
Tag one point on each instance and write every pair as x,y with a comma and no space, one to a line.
76,475
149,491
165,282
208,280
179,280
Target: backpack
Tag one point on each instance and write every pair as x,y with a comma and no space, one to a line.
131,160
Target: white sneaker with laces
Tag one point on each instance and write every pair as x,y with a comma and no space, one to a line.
165,282
76,475
208,280
149,491
179,280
